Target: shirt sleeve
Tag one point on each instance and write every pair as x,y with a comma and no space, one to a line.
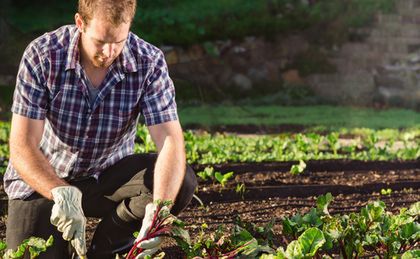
30,97
158,102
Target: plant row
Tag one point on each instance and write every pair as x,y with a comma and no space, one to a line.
218,148
317,234
372,232
205,148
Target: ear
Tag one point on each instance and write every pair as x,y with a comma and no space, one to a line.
80,24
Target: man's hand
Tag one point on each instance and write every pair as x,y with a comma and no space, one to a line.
151,245
67,215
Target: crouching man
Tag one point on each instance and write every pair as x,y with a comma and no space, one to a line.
79,94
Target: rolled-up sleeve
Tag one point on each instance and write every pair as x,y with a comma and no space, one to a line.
158,102
30,97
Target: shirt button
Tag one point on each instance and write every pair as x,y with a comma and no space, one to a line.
89,110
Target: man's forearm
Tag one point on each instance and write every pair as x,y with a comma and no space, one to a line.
169,170
34,168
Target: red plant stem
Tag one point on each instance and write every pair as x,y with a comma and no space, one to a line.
152,232
162,221
376,251
231,254
343,250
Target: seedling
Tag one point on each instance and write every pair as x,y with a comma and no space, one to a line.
208,173
386,191
240,189
299,168
223,178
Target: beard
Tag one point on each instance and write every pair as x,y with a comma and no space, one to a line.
101,62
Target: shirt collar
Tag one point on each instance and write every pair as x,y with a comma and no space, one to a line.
73,50
127,59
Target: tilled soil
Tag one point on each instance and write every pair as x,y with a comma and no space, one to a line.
271,192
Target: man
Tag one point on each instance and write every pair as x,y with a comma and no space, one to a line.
79,93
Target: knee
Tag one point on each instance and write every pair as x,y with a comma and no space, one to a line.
190,181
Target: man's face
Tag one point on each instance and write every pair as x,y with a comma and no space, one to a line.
101,41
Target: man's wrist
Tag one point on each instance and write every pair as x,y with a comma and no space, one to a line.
57,194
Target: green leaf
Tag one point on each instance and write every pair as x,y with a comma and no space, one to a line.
386,191
312,218
294,250
50,241
268,256
413,254
252,249
3,246
281,254
223,178
240,235
410,231
311,240
289,227
415,209
298,169
374,211
322,203
181,233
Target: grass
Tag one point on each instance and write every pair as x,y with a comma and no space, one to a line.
321,115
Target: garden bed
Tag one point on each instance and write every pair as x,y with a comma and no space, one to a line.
271,192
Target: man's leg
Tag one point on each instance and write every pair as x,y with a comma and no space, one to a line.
31,217
120,197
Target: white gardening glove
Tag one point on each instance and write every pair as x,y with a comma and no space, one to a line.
67,215
151,245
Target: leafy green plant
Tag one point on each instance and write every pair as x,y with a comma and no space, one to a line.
240,189
207,174
222,244
263,233
332,139
34,245
306,246
373,230
316,234
223,178
387,191
145,139
299,168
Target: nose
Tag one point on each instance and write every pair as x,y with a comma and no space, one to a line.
108,50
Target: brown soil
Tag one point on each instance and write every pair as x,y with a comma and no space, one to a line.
272,192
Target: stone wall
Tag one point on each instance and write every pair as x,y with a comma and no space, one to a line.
379,69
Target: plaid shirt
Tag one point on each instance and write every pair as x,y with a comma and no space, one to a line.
80,139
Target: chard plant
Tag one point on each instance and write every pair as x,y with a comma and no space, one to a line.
33,245
163,224
223,244
373,231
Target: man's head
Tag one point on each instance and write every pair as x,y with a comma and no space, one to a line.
104,25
